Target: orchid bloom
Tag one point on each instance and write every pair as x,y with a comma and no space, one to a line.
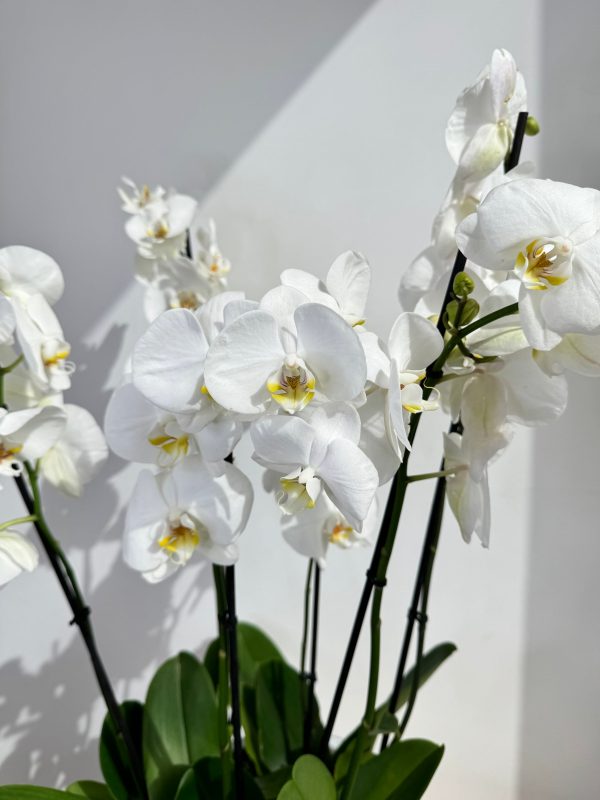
27,435
288,351
168,370
138,199
413,345
313,531
17,555
208,259
468,497
191,508
345,289
43,344
137,430
77,455
7,322
480,129
575,352
314,452
549,234
25,272
175,283
159,229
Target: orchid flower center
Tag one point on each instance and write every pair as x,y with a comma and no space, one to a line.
55,354
173,443
158,230
338,531
299,490
292,386
182,538
9,465
545,263
186,299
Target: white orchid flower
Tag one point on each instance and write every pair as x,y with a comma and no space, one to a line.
27,435
313,531
169,363
159,229
288,351
207,256
484,412
468,497
7,322
43,344
375,440
77,455
315,452
25,272
548,233
575,352
138,199
480,129
413,345
176,283
191,508
139,431
17,555
345,289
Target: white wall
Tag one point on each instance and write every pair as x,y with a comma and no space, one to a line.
354,158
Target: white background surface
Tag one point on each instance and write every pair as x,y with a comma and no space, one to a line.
304,134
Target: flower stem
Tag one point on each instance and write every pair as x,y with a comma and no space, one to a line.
17,521
311,678
423,577
223,695
425,476
306,623
234,678
81,618
370,709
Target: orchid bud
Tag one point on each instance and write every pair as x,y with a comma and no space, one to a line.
463,285
532,127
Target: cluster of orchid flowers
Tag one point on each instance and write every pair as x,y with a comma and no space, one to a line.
39,432
326,402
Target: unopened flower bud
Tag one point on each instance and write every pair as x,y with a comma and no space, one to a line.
469,312
532,127
463,285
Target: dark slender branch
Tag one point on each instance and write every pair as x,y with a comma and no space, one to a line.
306,621
425,566
515,152
311,678
421,588
188,244
234,679
81,617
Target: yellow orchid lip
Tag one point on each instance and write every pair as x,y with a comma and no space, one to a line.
544,263
293,387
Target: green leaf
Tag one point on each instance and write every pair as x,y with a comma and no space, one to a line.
34,793
430,663
203,782
254,649
280,703
91,789
180,721
310,781
114,759
273,782
402,772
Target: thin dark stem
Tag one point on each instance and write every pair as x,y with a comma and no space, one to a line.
459,265
312,676
306,621
425,567
223,689
188,244
234,679
515,152
81,618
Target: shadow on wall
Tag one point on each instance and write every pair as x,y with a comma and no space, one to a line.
560,732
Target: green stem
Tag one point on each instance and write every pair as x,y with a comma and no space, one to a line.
17,521
425,476
223,693
13,365
452,342
371,705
